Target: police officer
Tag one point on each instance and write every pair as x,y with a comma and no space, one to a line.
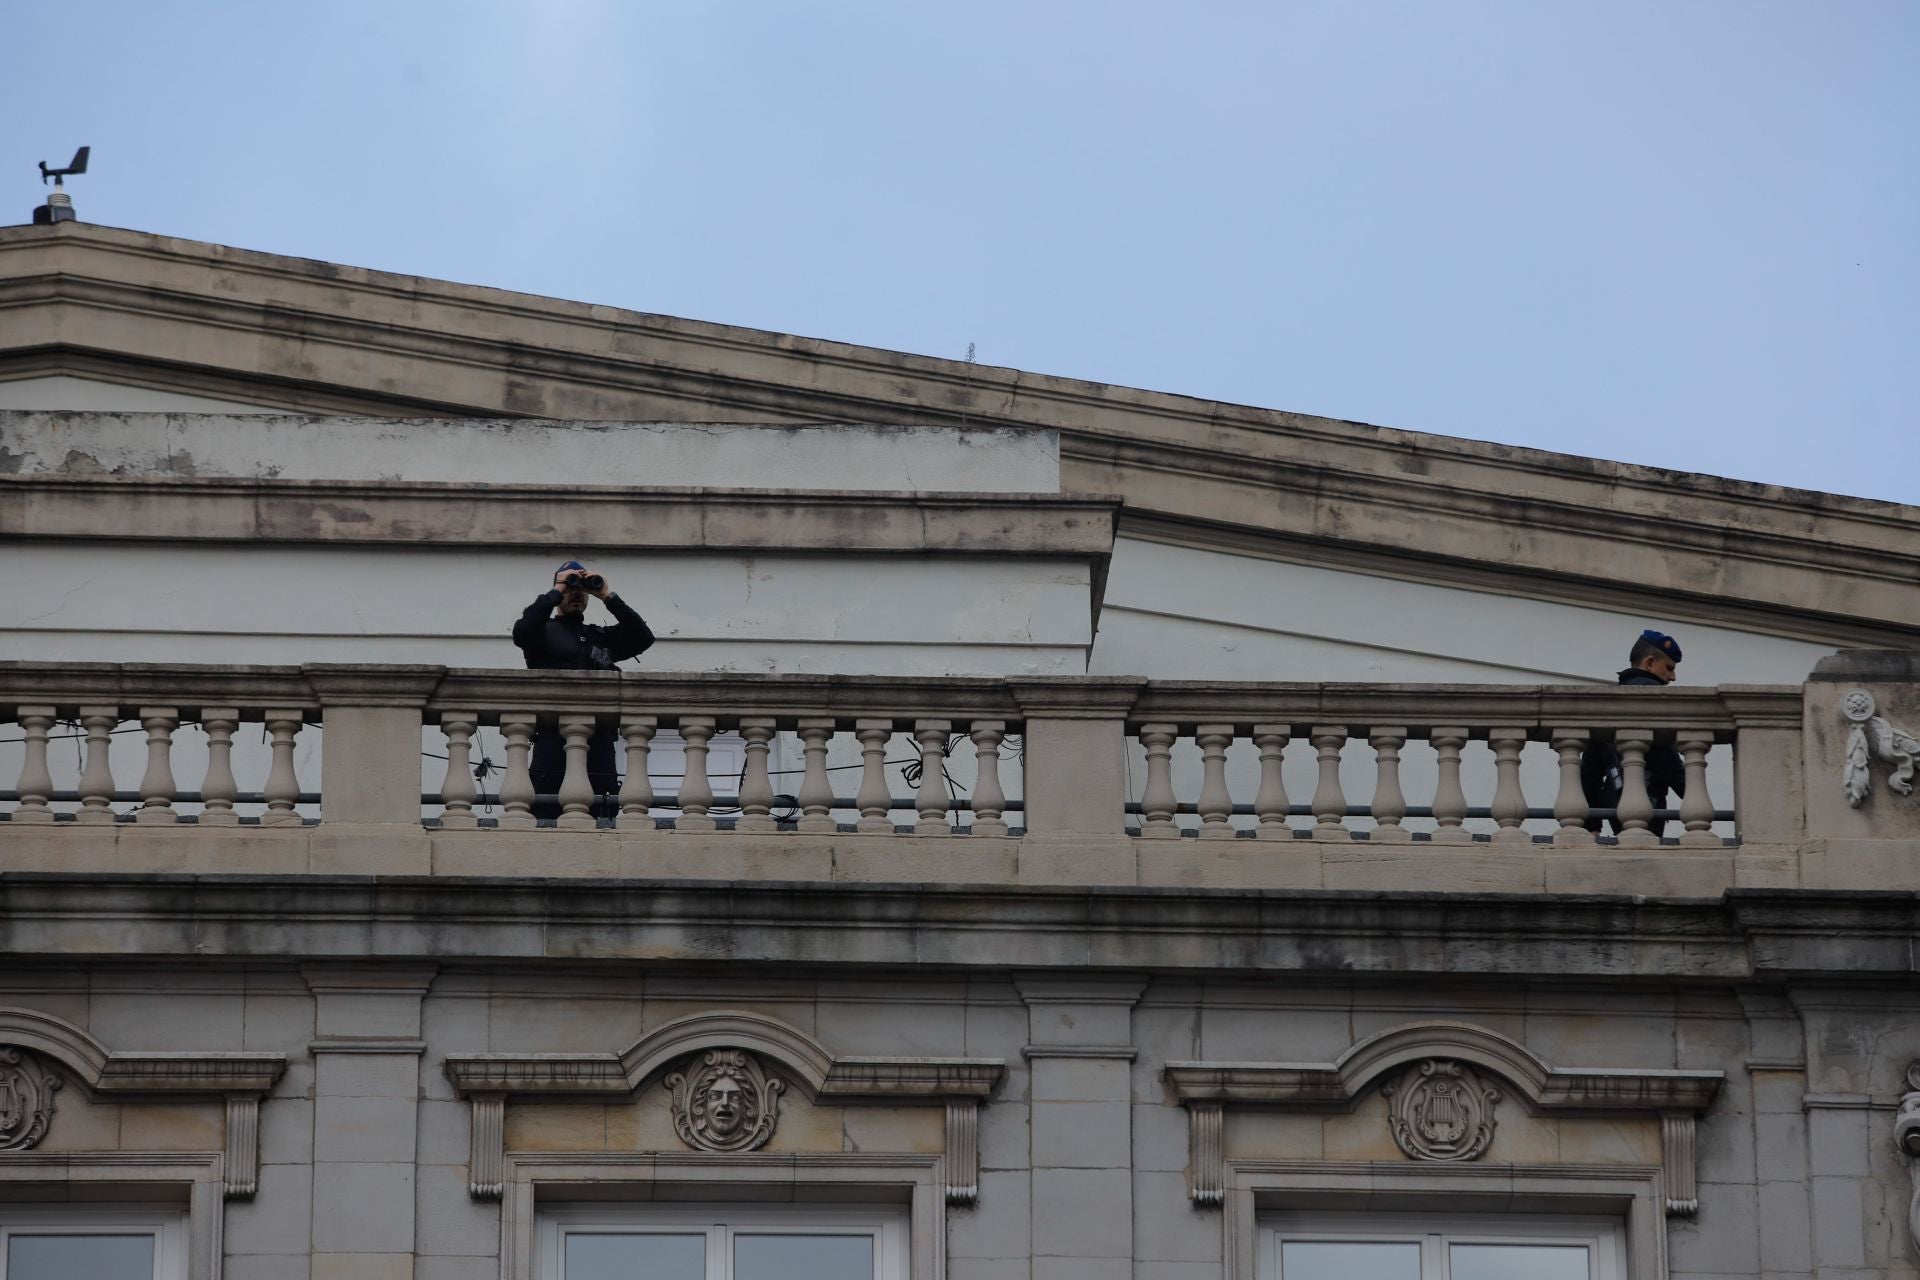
1653,660
554,635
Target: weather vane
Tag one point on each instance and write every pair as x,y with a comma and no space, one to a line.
59,205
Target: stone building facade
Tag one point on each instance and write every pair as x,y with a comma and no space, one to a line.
1178,870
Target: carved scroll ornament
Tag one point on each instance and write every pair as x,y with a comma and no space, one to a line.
1871,736
26,1099
1440,1110
1906,1137
726,1103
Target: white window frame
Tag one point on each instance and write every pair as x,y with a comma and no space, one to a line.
721,1223
166,1224
1604,1238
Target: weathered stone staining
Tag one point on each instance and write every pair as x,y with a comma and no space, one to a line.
1088,823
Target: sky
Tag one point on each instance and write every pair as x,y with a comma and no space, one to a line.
1684,233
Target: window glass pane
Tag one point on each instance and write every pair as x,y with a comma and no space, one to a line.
809,1257
633,1256
64,1257
1518,1262
1350,1260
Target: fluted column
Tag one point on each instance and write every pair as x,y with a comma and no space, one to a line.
1509,801
1157,801
756,785
696,792
1696,807
576,788
989,801
1636,807
816,788
457,790
1570,801
516,788
1270,802
636,789
219,787
931,798
1389,801
96,780
157,786
1329,799
1449,798
36,779
875,798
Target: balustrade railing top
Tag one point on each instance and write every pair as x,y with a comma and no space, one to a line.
1086,752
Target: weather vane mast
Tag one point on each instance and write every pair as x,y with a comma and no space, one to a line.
59,205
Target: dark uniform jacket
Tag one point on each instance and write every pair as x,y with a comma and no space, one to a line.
570,644
1600,765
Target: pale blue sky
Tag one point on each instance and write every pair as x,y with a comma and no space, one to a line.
1676,232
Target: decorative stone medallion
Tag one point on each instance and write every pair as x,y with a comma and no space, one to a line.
1440,1110
26,1099
726,1103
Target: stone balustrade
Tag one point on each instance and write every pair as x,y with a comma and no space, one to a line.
1061,779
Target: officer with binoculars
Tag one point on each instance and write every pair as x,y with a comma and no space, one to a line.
553,634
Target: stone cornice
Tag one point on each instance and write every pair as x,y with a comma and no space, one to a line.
1742,937
317,329
187,509
1341,1084
809,1063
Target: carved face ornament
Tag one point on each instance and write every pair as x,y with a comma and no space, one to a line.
728,1102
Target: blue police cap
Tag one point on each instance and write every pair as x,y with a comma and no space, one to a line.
1663,642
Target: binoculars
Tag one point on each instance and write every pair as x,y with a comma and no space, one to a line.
583,581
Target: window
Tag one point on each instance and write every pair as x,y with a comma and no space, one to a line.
1365,1246
722,1242
103,1242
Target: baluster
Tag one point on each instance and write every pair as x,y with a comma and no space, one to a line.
36,779
1449,799
457,791
516,788
1509,801
696,791
96,780
1270,802
1157,801
576,788
1636,806
931,798
875,798
989,801
1215,805
219,787
636,789
1389,801
1329,800
1570,802
156,785
282,791
816,788
756,786
1696,807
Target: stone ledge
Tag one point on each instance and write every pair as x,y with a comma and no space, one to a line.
1738,936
